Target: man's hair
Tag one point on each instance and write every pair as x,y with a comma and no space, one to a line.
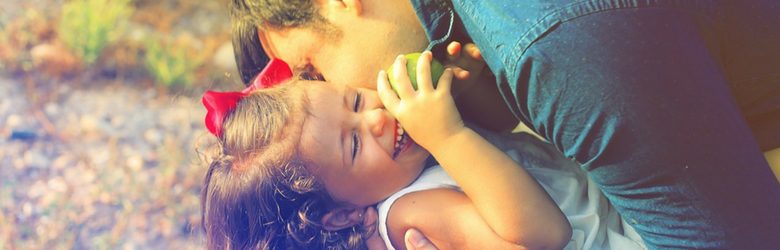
277,13
257,193
249,15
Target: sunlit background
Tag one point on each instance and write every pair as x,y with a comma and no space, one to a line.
102,144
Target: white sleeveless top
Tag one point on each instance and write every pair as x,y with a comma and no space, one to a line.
595,223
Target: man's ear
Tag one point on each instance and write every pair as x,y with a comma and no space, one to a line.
351,6
340,218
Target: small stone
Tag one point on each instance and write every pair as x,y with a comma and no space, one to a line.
99,156
37,189
135,162
19,163
128,246
88,176
153,136
51,109
62,161
56,184
117,121
88,123
27,209
13,121
105,198
35,159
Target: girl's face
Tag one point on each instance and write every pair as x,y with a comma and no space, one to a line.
353,140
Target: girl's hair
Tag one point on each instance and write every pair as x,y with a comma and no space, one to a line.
257,193
249,15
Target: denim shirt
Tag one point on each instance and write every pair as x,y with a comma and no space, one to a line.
662,102
486,23
506,30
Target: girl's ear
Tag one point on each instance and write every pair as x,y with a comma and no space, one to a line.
340,218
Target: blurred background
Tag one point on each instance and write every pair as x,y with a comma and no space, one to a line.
102,144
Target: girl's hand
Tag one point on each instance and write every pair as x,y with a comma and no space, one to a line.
429,115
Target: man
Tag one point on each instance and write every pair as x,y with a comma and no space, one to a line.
666,104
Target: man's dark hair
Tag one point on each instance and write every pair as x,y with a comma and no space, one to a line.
249,15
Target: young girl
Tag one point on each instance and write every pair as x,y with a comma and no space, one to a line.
301,164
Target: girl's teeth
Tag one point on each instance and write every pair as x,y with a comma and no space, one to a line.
399,132
399,138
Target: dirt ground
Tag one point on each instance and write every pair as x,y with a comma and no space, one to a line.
104,156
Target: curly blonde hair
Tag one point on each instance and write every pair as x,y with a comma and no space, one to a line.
257,193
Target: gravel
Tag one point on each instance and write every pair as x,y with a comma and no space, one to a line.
118,167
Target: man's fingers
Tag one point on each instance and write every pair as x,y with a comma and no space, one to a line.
473,51
453,49
460,73
414,239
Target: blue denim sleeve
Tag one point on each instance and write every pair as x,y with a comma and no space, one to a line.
637,98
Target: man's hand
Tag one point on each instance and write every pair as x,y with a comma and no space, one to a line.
467,65
465,60
415,240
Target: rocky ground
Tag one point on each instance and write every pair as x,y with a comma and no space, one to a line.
100,160
101,168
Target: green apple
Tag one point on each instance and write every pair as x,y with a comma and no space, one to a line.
411,68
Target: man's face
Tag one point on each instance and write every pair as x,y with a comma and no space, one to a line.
365,42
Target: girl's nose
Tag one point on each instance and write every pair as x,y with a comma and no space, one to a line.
376,120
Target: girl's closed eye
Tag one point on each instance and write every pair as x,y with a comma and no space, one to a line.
355,137
358,99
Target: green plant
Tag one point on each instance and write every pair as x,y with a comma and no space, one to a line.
171,63
87,26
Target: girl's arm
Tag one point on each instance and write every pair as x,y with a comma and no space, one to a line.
509,201
448,218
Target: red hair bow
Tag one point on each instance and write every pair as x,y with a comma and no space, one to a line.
219,104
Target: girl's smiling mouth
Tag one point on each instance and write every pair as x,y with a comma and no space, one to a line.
401,140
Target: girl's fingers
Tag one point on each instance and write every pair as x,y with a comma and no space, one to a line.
445,81
402,83
386,94
424,82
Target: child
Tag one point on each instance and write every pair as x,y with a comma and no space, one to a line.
302,162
